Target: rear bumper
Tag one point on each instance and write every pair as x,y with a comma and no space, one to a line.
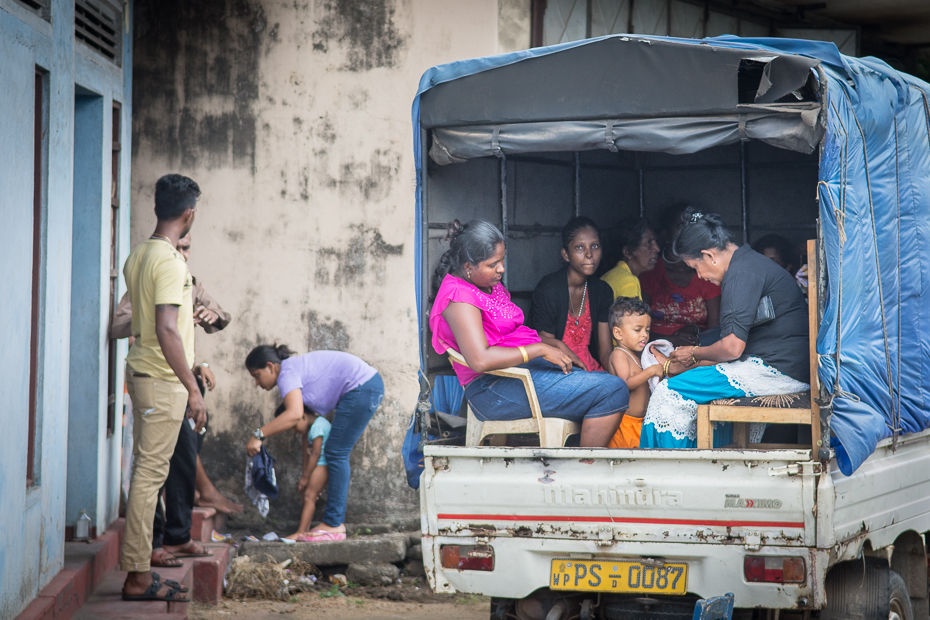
522,566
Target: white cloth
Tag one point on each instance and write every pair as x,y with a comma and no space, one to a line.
648,359
257,497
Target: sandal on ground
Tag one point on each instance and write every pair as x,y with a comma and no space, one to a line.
322,536
165,559
171,583
190,551
151,594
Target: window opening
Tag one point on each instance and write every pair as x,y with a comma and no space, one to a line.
97,24
39,7
112,361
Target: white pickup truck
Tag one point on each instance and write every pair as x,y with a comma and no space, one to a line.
793,138
629,530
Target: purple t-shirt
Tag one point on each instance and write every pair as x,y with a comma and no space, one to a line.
323,377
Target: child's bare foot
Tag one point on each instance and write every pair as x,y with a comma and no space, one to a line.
295,535
220,502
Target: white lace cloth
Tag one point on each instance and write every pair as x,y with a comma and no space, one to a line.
648,359
257,497
671,412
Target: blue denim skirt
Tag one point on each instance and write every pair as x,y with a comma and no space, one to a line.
575,396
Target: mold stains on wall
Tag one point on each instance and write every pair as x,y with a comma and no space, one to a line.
364,256
365,28
195,81
323,336
372,180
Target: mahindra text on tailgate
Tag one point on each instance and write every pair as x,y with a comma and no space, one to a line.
584,502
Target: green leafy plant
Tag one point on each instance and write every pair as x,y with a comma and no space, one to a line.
333,591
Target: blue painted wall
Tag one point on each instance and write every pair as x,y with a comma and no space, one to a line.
32,521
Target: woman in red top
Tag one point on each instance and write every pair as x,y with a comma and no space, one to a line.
682,305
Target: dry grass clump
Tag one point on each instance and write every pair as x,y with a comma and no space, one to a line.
269,580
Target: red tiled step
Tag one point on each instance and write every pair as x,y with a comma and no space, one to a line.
84,566
209,573
204,521
107,602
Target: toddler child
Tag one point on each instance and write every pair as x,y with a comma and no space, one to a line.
629,322
314,430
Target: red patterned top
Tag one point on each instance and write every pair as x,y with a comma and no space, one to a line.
578,337
675,306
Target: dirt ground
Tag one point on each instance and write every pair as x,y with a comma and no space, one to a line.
317,605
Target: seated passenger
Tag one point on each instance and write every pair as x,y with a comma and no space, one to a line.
753,357
682,305
473,314
570,306
640,252
629,323
778,249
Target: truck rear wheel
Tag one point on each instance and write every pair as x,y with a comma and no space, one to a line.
866,589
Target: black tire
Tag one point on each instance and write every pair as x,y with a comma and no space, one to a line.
866,589
899,602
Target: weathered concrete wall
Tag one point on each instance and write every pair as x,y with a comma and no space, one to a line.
294,118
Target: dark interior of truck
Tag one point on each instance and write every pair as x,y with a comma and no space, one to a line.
759,190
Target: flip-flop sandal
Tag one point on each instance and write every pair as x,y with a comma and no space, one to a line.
171,583
192,545
151,594
323,536
162,562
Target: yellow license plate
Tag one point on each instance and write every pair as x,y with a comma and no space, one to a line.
603,576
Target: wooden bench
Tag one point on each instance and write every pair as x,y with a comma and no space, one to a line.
802,410
553,432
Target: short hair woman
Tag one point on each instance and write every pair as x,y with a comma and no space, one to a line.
760,356
473,314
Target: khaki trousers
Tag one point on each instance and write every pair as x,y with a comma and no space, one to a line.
158,408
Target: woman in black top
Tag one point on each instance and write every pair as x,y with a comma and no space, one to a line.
570,306
763,346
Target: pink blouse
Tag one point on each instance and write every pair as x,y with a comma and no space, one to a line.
501,318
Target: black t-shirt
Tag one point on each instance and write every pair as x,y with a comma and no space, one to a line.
550,306
781,342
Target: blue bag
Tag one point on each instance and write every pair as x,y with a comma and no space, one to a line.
263,477
447,395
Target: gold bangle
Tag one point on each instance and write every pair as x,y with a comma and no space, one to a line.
668,362
526,357
694,359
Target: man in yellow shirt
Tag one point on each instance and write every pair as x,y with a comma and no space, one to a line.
159,377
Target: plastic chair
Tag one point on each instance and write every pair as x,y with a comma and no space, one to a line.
553,432
716,608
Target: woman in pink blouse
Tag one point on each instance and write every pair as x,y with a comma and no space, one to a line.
473,314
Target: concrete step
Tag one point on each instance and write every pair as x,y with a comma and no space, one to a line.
204,521
85,566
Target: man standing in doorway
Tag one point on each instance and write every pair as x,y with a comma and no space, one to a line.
159,378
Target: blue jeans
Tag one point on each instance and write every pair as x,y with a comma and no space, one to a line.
353,412
576,396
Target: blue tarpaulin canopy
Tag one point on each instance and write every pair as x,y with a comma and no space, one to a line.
873,188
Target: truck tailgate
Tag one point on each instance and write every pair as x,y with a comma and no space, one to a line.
698,496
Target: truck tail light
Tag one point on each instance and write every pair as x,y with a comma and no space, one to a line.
774,569
470,557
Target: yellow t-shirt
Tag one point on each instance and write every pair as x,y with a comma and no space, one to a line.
157,274
623,282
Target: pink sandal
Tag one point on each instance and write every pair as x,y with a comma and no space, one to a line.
322,536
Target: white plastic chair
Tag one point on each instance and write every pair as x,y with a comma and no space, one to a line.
553,432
